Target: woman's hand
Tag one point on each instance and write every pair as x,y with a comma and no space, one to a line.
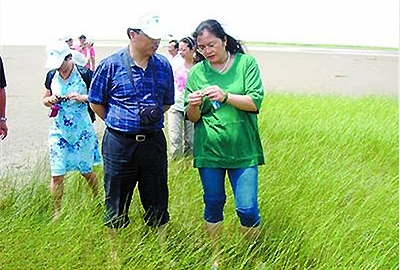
51,100
77,97
193,110
195,99
214,92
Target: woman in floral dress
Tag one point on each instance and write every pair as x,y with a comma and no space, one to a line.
73,145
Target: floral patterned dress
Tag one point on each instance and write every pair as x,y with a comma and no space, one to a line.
73,143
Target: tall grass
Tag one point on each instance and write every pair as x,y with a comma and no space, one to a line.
328,198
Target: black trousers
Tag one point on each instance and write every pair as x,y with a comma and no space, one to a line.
130,160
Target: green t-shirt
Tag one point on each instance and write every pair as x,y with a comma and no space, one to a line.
227,137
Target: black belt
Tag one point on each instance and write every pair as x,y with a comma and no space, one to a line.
139,137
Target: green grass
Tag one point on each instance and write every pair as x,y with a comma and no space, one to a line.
328,199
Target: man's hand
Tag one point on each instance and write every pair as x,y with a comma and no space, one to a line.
3,129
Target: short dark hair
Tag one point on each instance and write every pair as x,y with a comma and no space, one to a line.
176,46
82,37
137,31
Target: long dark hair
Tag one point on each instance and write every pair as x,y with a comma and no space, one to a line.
192,45
214,27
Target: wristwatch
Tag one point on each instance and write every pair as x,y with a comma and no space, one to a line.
3,119
225,97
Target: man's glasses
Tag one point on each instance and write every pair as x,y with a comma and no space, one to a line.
128,31
139,31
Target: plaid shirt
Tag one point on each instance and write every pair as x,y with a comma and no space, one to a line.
123,97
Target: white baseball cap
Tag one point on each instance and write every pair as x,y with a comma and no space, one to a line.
56,54
150,25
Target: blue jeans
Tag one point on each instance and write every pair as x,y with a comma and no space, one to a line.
244,182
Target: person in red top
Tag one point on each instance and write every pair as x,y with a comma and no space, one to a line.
3,119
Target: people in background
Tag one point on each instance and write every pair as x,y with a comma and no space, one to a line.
173,56
77,57
172,48
86,47
69,40
3,102
180,128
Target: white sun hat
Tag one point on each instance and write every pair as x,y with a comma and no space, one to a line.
56,53
78,58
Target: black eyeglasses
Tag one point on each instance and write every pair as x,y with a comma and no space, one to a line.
139,31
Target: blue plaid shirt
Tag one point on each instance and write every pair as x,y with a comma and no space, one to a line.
123,97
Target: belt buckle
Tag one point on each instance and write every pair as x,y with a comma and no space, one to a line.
140,138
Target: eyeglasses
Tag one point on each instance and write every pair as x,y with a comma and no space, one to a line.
210,45
139,31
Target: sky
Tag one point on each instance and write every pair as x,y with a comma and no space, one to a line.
341,22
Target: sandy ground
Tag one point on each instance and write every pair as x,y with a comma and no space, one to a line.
283,69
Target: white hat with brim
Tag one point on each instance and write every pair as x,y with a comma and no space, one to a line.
150,25
78,58
56,54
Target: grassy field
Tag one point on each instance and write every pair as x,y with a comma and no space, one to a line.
321,46
328,198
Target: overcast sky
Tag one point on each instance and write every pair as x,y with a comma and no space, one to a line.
343,22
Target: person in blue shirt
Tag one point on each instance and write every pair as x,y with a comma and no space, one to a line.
131,89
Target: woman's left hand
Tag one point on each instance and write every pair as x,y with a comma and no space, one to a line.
214,92
77,97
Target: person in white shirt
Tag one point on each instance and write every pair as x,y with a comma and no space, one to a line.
174,57
181,129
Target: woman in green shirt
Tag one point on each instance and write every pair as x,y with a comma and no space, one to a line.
224,93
